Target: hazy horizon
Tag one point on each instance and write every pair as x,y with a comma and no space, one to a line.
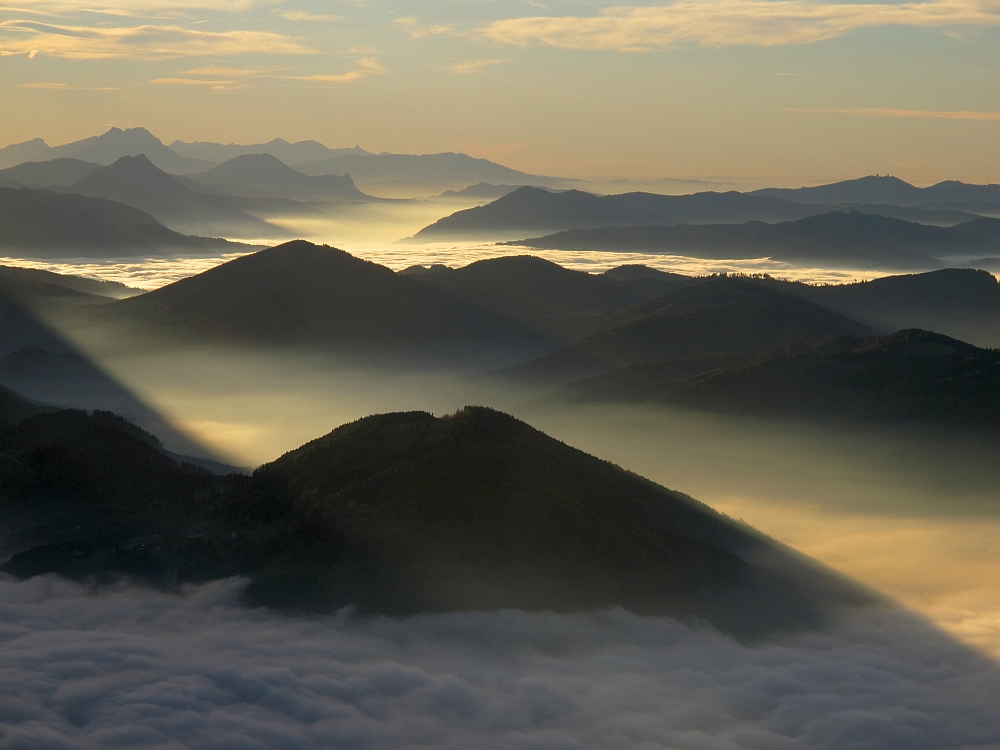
745,90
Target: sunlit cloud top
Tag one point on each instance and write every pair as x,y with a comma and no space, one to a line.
718,23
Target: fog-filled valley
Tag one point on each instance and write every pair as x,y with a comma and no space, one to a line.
312,447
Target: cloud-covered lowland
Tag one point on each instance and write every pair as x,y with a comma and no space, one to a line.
131,667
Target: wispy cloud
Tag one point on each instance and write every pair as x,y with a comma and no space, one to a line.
474,66
916,113
301,15
418,30
220,85
720,23
232,79
139,7
147,42
64,87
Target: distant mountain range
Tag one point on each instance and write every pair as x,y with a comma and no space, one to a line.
267,173
399,514
847,239
531,208
892,190
45,224
106,149
313,158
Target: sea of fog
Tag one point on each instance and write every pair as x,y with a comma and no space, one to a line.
154,272
374,232
129,667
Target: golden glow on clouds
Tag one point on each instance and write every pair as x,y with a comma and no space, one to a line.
230,79
146,42
720,23
301,15
474,66
917,113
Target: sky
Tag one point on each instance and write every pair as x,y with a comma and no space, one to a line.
756,91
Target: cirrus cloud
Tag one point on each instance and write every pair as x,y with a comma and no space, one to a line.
720,23
146,42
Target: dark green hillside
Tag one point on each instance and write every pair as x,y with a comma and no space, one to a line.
909,377
545,295
15,409
300,294
403,513
962,303
729,317
41,223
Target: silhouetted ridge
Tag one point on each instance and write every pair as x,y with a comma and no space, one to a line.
299,293
267,172
530,208
847,237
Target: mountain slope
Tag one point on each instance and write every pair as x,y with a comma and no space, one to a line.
41,223
308,295
962,303
264,171
534,209
137,182
404,513
909,377
727,318
851,239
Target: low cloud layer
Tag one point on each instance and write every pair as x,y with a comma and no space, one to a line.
134,668
721,23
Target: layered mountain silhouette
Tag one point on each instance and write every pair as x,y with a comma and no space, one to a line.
887,189
400,513
57,173
301,152
27,283
301,294
137,182
447,168
44,224
722,318
480,190
850,239
106,149
267,173
544,295
911,377
530,208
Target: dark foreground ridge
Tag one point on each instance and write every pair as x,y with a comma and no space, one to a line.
399,513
